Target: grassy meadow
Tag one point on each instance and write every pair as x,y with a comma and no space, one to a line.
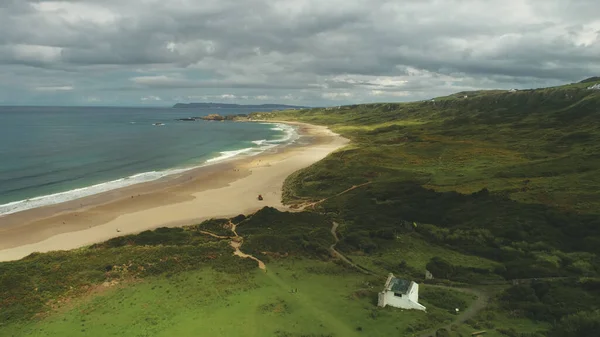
295,297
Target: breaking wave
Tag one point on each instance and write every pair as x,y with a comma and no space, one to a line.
290,135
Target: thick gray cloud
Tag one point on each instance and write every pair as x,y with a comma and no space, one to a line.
293,51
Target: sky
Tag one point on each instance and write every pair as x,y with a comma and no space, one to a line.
306,52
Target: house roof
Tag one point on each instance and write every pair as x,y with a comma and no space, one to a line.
399,286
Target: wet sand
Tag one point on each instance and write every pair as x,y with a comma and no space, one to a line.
221,190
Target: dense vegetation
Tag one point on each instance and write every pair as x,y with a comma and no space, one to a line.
36,283
495,191
283,233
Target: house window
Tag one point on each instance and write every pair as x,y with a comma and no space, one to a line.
398,294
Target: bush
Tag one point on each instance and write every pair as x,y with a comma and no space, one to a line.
442,333
443,298
440,268
550,300
304,233
28,285
510,332
585,323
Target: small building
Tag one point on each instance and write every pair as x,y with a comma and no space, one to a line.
595,87
400,293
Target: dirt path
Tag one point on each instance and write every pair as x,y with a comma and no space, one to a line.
236,243
215,235
233,226
479,304
313,204
341,256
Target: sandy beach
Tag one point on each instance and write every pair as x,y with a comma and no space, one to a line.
221,190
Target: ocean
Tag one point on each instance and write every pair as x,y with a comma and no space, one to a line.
50,155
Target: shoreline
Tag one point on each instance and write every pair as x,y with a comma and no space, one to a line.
261,146
223,189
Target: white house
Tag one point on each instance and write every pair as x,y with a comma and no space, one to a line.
400,293
595,87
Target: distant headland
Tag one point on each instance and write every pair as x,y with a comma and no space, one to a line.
235,106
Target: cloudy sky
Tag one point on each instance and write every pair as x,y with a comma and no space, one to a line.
311,52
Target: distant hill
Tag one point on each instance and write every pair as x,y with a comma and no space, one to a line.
591,79
235,106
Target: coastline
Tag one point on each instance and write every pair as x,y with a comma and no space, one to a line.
222,189
259,146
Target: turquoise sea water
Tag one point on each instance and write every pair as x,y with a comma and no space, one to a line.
54,154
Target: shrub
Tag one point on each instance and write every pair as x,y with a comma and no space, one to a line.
442,333
585,323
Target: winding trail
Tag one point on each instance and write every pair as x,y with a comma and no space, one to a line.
479,304
236,243
313,204
232,227
215,235
341,256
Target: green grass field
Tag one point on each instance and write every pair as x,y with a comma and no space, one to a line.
330,301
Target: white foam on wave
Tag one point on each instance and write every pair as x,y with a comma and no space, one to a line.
290,135
263,145
230,154
77,193
260,142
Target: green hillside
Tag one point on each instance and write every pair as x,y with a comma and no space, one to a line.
493,192
510,176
